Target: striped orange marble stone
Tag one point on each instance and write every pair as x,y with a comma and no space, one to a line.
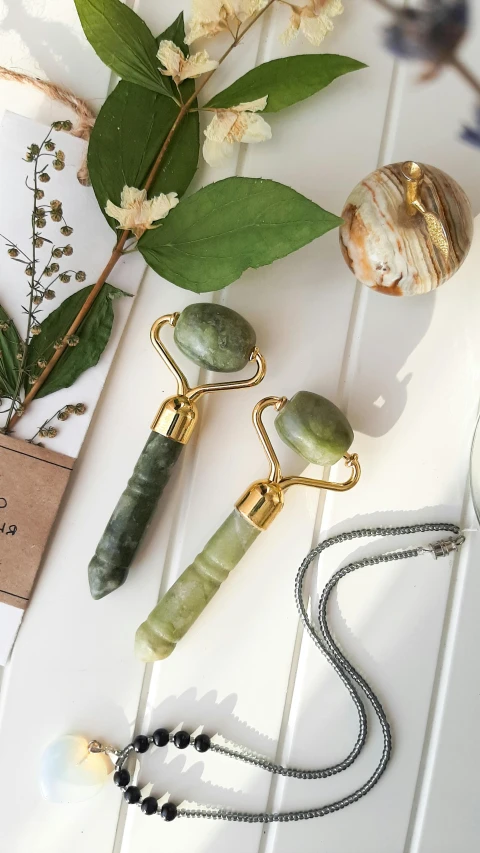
389,247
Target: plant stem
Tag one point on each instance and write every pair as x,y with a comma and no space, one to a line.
31,440
115,256
465,72
118,250
21,370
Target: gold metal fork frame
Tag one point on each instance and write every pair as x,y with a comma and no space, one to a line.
178,415
264,499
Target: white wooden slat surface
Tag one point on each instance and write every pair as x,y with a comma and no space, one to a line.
73,668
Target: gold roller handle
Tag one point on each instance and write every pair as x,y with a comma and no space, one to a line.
414,175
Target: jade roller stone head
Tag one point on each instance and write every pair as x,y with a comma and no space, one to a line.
215,338
320,433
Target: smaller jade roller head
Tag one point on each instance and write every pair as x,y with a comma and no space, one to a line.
320,433
215,338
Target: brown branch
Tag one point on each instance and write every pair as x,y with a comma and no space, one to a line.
465,72
118,250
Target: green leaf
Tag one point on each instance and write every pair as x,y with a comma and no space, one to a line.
123,42
130,131
94,334
210,238
176,33
286,81
10,344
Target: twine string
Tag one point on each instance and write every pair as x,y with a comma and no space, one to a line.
85,115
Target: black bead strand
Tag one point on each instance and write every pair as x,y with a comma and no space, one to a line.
149,805
132,795
161,737
168,811
121,778
141,743
181,739
202,743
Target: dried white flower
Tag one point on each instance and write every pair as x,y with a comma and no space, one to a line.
210,17
137,212
232,126
179,67
314,20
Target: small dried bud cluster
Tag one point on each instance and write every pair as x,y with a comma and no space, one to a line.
80,276
71,409
66,230
13,252
33,151
59,162
44,178
56,210
62,125
48,432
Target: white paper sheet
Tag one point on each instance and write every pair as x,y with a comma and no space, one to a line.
92,241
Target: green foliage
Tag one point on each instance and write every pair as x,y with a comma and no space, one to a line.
93,333
213,236
10,345
130,131
123,42
286,81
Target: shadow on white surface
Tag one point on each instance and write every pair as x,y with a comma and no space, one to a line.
55,47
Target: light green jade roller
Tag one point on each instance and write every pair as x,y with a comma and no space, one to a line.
319,432
215,338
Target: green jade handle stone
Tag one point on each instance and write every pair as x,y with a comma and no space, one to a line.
109,567
319,432
213,337
181,606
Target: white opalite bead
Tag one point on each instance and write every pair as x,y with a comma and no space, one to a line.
69,773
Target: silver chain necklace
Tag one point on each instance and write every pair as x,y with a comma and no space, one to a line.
351,679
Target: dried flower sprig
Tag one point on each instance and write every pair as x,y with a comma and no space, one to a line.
23,360
63,414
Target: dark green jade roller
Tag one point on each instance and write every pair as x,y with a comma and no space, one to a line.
319,432
215,338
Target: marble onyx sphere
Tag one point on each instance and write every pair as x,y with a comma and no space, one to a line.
391,251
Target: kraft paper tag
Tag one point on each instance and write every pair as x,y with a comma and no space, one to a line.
32,483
